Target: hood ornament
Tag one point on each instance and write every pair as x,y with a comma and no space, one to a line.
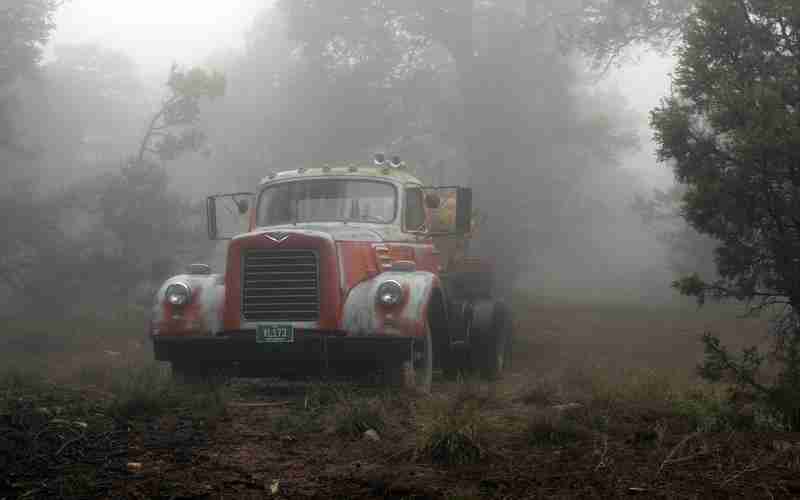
277,237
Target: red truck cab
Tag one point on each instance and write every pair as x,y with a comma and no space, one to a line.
343,271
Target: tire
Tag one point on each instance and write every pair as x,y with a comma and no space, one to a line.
492,349
415,374
456,360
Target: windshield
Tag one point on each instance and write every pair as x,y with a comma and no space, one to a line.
323,200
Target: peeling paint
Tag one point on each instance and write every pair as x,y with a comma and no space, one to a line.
363,315
201,316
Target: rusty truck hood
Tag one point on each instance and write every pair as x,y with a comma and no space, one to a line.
340,231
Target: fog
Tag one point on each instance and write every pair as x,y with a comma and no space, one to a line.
556,148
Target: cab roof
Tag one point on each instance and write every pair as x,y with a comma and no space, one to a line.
386,172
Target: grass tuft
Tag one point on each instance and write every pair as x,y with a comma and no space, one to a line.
149,391
552,429
452,432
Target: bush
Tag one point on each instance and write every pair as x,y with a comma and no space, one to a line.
451,432
357,416
150,391
302,422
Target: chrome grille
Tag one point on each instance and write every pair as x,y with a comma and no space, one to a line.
280,285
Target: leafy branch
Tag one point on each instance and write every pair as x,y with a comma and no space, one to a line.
169,133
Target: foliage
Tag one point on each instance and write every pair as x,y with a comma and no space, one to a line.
688,250
731,130
551,429
170,132
150,391
608,27
358,415
451,432
25,26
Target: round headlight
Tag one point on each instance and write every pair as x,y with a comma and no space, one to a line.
390,293
178,294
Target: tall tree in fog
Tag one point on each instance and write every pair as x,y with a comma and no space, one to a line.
732,132
137,207
25,26
486,90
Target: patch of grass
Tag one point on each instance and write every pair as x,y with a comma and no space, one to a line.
149,390
297,423
552,429
21,380
97,373
322,396
356,416
541,393
451,432
634,386
709,409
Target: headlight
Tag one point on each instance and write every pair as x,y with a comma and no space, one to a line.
390,293
178,294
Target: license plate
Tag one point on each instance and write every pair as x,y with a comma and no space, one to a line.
274,334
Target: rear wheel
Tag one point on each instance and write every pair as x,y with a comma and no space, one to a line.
491,349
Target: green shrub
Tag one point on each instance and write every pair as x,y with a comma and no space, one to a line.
296,423
776,400
356,416
451,432
149,390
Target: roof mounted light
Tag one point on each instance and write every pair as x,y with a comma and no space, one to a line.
379,159
396,162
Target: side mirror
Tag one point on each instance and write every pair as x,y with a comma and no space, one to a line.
226,211
450,210
211,217
432,201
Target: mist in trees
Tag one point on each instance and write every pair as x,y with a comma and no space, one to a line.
498,95
106,169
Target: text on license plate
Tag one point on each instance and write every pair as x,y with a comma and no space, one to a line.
267,334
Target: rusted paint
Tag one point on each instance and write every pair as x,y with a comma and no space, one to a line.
300,238
201,316
363,315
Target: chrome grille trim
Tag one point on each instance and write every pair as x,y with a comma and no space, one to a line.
280,285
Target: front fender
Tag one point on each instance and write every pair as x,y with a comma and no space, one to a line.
203,314
363,315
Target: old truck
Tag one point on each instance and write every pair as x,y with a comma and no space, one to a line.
355,269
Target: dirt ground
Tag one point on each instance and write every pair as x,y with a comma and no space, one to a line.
588,410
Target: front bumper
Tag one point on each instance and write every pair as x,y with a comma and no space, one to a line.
311,352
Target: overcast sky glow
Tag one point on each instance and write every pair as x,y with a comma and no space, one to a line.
157,32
